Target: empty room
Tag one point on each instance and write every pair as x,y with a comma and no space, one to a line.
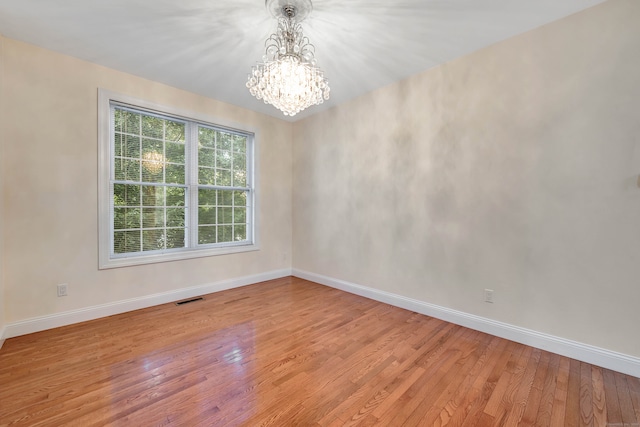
320,213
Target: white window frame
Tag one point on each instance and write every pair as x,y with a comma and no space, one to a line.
105,187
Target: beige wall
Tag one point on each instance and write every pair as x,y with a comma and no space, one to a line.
2,161
514,168
49,107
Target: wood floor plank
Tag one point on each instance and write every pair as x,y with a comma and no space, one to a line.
634,391
292,352
535,396
614,414
572,402
598,397
456,402
442,394
483,388
470,398
586,395
558,414
444,381
547,399
435,367
493,406
624,397
356,399
523,390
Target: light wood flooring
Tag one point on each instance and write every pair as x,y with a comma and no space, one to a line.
289,352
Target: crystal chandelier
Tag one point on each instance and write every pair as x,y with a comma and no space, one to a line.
288,77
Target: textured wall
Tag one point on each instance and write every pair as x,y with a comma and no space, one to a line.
50,187
514,168
2,162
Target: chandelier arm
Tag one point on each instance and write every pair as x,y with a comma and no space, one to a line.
273,38
271,42
274,42
307,46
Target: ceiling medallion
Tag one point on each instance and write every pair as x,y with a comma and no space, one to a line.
288,77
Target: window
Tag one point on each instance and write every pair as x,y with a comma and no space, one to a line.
171,186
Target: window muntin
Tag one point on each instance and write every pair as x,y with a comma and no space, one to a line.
178,187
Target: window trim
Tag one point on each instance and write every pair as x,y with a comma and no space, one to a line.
105,226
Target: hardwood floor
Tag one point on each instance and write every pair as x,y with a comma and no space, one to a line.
294,353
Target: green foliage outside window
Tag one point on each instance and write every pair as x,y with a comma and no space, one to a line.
151,188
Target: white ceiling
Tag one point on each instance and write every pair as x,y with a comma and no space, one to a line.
209,46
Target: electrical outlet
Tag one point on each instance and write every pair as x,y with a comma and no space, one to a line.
62,290
488,295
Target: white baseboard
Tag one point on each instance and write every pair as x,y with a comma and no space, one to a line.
2,337
586,353
42,323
